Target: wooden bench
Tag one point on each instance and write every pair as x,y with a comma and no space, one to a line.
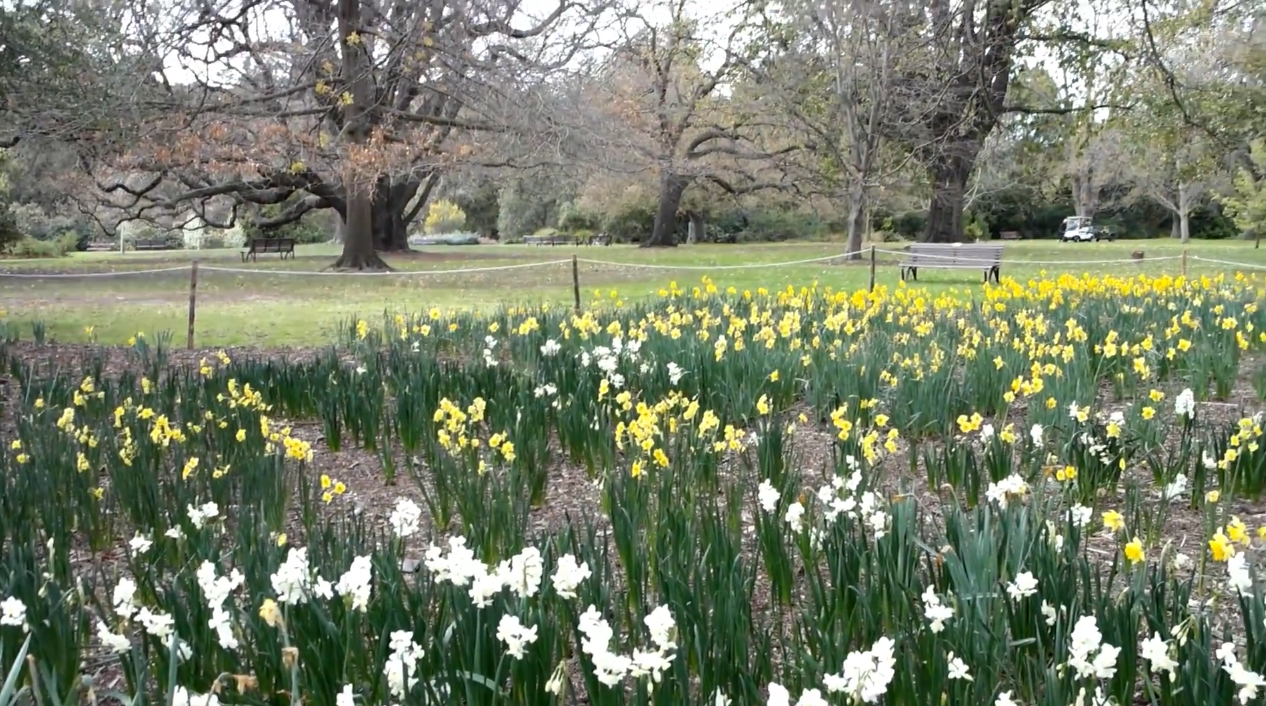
152,244
549,240
1010,235
949,256
282,246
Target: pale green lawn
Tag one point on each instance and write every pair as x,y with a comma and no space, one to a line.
259,308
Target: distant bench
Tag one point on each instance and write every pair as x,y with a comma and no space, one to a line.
153,244
941,256
282,246
549,240
1010,235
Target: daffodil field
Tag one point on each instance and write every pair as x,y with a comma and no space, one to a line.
1037,493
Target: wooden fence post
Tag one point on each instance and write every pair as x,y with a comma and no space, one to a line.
193,300
872,268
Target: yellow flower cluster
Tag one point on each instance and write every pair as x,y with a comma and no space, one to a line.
457,434
1243,441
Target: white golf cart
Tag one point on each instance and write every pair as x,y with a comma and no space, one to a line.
1079,229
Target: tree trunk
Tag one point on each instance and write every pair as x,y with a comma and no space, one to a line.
358,240
336,220
856,222
696,229
1184,214
949,174
392,215
1085,194
664,233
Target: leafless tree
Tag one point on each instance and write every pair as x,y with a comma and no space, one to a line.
346,105
674,110
832,65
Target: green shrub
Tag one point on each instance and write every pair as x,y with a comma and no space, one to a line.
572,217
9,233
29,247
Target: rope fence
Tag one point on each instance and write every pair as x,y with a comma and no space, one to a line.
194,268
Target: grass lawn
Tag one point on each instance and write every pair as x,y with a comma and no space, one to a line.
274,303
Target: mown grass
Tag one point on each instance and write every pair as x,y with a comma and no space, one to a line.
261,306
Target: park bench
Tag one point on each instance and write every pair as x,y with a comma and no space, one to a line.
153,244
282,246
549,240
941,256
1010,235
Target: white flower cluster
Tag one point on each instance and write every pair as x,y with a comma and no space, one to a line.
936,612
1051,613
405,518
839,499
183,697
866,674
1024,585
608,359
516,636
13,612
610,667
200,515
549,390
550,348
1156,652
864,678
489,344
1010,488
1080,515
402,664
568,576
1248,681
355,584
767,495
675,372
522,574
124,598
1088,654
1239,578
1175,489
1185,404
216,590
139,544
116,643
159,624
294,580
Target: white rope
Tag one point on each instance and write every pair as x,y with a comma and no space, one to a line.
1068,263
412,273
67,275
1227,263
754,266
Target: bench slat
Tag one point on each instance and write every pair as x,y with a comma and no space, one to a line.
937,256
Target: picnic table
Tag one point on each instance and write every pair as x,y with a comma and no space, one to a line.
986,257
282,246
